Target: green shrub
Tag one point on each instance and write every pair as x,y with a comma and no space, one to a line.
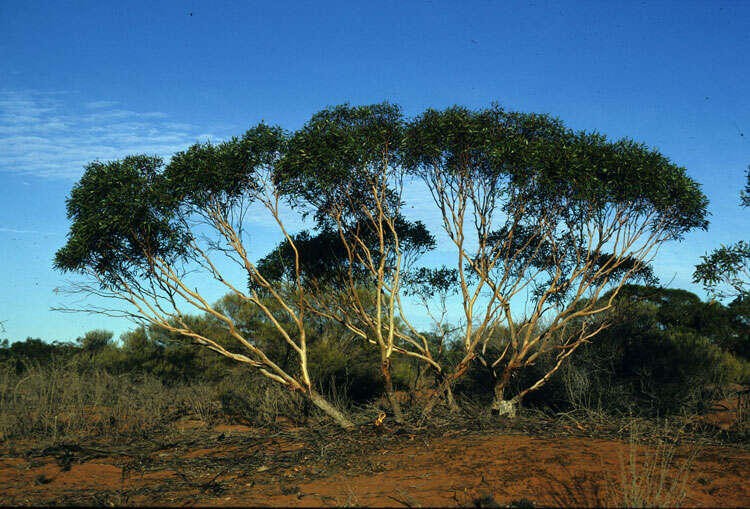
346,365
655,359
640,366
249,397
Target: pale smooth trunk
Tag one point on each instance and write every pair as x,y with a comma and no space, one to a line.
385,366
503,407
331,411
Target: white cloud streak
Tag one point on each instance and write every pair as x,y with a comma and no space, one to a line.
49,135
99,104
46,136
13,230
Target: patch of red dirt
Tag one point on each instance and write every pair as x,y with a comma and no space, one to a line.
189,423
728,413
232,428
561,472
447,471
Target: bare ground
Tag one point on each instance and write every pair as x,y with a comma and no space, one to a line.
561,462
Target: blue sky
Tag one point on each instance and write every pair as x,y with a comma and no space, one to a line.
81,81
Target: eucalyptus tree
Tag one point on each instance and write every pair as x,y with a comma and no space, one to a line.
725,272
344,167
140,230
541,214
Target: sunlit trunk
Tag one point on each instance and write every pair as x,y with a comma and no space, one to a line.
503,407
385,367
452,405
331,411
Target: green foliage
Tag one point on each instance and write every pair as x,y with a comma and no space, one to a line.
34,351
323,257
347,365
150,351
255,325
134,217
429,282
665,353
125,212
542,204
336,360
725,272
552,184
661,356
533,159
725,326
656,359
338,147
739,341
491,141
95,340
593,173
225,172
119,212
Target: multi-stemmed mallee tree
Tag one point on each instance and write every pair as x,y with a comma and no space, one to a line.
545,216
344,166
144,234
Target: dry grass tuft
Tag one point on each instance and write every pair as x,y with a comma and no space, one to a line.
652,475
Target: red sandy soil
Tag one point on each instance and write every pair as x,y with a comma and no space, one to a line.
723,414
449,471
237,465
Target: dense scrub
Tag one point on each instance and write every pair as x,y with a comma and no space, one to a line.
666,353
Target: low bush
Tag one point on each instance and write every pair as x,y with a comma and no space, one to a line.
652,361
55,402
251,399
638,366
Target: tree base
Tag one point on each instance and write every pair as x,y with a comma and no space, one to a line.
331,411
504,408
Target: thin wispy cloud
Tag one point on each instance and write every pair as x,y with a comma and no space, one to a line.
99,104
52,135
13,230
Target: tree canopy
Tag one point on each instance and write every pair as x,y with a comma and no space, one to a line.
118,213
532,208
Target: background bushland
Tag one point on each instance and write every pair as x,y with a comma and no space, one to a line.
666,353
